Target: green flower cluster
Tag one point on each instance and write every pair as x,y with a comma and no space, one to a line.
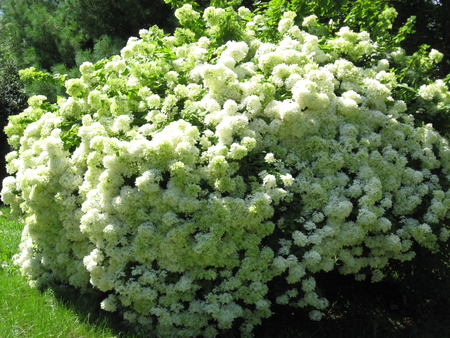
182,177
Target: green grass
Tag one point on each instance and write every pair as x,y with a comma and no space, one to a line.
392,308
59,311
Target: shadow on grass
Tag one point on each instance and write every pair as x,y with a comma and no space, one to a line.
359,309
86,305
390,308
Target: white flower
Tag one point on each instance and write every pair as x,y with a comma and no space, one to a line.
312,257
309,284
186,14
315,315
75,87
289,110
444,234
436,56
244,12
109,304
285,24
236,50
310,21
122,123
214,16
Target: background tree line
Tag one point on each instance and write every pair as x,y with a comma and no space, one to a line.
55,37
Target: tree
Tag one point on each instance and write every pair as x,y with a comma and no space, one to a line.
40,34
120,19
57,36
47,33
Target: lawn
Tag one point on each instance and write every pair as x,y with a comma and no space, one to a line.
391,308
59,311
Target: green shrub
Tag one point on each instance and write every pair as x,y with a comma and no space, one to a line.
198,182
12,102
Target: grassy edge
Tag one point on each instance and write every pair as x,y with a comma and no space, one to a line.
57,311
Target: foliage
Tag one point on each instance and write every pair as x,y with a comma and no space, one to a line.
37,81
57,36
372,16
393,38
199,183
40,34
117,19
432,27
200,5
47,33
427,18
12,100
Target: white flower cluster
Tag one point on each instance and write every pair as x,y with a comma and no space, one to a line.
188,180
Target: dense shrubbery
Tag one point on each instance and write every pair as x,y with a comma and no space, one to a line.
12,102
199,178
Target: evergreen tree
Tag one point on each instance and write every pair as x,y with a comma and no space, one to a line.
47,33
120,19
40,34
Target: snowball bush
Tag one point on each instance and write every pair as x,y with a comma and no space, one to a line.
181,177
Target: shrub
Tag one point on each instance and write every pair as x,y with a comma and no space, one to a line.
12,101
197,183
